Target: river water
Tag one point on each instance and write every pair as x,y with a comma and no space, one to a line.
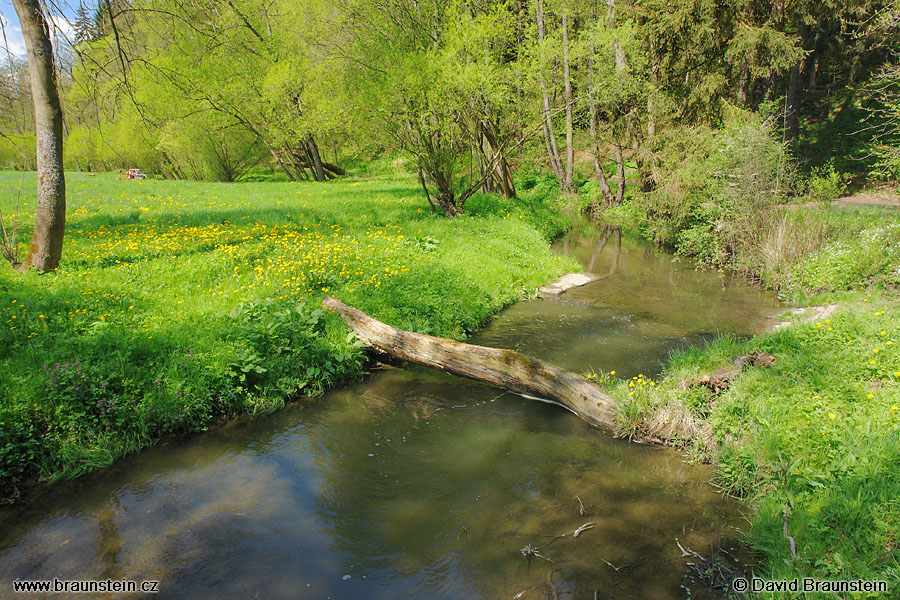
417,484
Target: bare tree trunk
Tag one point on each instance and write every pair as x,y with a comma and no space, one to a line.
617,48
502,172
333,168
792,106
496,366
567,81
620,66
605,192
792,100
425,189
280,163
620,171
812,60
315,160
743,84
479,152
549,135
45,250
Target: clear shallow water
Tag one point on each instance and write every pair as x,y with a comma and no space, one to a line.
417,484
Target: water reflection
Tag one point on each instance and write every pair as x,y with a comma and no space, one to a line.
413,484
641,281
643,306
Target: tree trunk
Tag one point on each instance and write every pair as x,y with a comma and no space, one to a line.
333,168
280,163
315,160
617,48
567,81
605,192
549,134
812,60
45,250
502,172
743,84
620,171
479,156
792,107
445,199
792,100
504,368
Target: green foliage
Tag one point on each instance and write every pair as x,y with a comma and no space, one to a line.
179,304
20,444
719,193
826,183
848,263
887,162
815,434
302,348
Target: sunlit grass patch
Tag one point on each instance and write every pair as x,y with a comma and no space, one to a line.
817,434
184,303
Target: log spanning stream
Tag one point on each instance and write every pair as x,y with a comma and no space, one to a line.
418,484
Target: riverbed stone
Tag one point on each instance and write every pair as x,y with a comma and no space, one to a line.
567,282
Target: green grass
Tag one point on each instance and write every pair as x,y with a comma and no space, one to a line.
179,304
817,435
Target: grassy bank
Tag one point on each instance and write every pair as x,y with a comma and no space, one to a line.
179,304
813,440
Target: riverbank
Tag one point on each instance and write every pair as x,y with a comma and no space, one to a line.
181,304
812,441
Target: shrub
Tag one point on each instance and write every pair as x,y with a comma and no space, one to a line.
826,183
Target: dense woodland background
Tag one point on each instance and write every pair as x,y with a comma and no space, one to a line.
589,91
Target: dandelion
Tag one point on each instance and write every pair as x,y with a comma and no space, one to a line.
831,416
870,396
894,407
873,362
612,372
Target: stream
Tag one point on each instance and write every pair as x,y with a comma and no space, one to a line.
418,484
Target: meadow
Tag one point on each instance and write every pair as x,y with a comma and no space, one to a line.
179,304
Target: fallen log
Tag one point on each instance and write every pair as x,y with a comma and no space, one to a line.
506,368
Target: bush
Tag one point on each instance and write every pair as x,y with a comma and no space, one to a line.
20,447
826,183
720,191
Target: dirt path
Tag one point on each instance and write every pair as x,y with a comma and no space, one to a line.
876,198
